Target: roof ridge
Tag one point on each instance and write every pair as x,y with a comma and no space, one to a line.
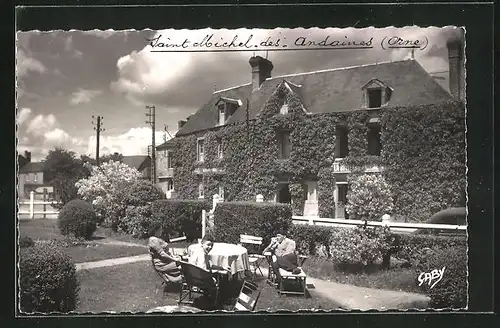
338,69
235,87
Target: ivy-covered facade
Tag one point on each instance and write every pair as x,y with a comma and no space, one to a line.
297,139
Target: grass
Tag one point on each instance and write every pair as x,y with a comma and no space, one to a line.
84,251
395,278
136,287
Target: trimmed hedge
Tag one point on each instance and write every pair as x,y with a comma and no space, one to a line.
48,281
310,238
174,217
25,241
414,247
258,219
78,218
451,291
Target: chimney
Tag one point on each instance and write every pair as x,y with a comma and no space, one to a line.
456,63
27,155
181,123
261,70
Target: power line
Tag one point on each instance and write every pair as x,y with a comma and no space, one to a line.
98,128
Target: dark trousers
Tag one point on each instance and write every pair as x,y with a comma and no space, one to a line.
287,262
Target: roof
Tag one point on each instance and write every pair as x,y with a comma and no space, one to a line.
332,90
138,161
32,167
165,145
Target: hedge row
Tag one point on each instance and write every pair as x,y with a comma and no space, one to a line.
172,218
251,218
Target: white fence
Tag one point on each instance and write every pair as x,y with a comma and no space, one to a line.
47,210
395,226
207,221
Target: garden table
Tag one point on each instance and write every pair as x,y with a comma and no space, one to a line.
231,256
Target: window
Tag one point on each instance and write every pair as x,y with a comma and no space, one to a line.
222,114
284,144
284,109
26,177
342,193
341,141
200,149
170,184
221,192
169,159
201,193
374,98
220,149
373,138
35,177
31,177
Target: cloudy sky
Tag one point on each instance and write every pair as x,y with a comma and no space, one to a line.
65,77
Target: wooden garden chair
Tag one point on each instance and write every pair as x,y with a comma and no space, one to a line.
248,297
255,259
196,280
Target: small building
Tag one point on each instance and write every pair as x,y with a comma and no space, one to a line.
141,163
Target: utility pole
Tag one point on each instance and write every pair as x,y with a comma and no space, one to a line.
151,120
98,128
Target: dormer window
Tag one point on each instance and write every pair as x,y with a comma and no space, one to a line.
374,98
225,108
376,94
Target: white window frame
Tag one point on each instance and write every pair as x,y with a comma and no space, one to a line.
200,155
35,177
201,191
284,109
168,157
170,181
221,192
221,109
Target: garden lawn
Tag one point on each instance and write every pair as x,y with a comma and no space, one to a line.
395,278
136,287
94,250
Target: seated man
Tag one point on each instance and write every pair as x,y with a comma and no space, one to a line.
284,256
199,255
163,261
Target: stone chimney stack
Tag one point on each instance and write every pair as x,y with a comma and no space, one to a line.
261,70
456,56
27,155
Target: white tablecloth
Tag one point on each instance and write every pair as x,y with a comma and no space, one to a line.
230,256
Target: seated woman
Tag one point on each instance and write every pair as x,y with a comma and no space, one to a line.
163,261
284,255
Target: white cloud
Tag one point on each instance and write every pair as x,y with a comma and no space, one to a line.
23,115
26,64
83,96
69,47
133,142
41,124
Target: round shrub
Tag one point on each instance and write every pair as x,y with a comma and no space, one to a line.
130,212
359,246
48,280
139,222
77,218
25,241
451,291
369,197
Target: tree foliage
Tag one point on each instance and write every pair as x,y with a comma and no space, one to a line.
103,185
62,169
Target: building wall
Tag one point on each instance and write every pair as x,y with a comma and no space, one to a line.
32,178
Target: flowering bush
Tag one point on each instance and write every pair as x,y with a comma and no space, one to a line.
103,185
139,222
369,197
359,246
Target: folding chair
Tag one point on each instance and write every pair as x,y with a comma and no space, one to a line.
254,259
164,280
179,251
245,301
197,281
300,278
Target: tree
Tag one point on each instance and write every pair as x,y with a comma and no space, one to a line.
62,169
369,197
116,157
103,185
